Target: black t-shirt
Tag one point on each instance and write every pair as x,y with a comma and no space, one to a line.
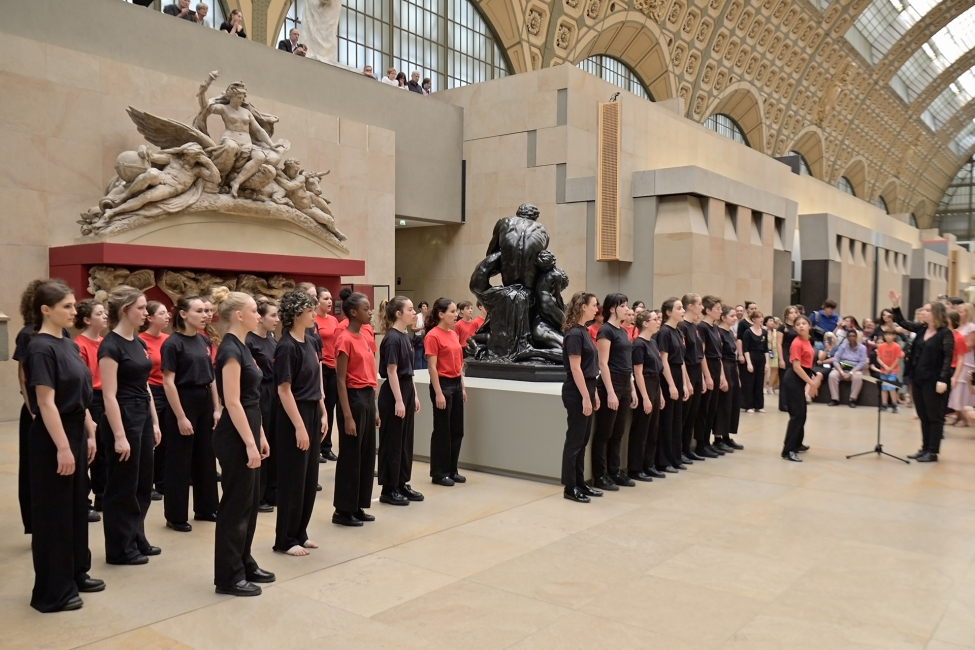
712,340
315,337
21,343
789,335
299,363
671,341
225,27
578,343
56,363
620,349
397,350
645,353
250,373
262,349
189,358
750,342
134,365
693,345
729,347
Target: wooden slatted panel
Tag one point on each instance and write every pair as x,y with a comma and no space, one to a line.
608,183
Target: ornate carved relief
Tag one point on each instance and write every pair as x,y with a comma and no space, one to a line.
733,10
690,22
534,21
708,75
719,42
755,28
692,62
563,35
677,58
746,17
571,4
654,9
178,283
675,12
700,103
592,11
704,31
729,54
720,80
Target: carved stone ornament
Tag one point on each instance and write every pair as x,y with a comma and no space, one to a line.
563,37
534,22
653,9
102,279
176,284
242,172
592,11
572,4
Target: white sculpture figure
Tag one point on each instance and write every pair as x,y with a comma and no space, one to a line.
321,27
295,184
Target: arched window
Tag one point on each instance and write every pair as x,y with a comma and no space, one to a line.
616,73
912,220
845,186
445,40
881,203
956,211
724,125
803,164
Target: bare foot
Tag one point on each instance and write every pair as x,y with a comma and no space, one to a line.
296,551
310,544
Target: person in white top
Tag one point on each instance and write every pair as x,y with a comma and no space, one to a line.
419,360
390,78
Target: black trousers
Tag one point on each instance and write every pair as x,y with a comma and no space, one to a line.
237,513
330,388
795,431
641,450
297,474
448,428
576,433
396,435
729,402
269,466
159,453
357,454
753,383
671,424
708,408
190,459
692,407
23,468
930,407
607,439
59,515
98,470
782,405
128,489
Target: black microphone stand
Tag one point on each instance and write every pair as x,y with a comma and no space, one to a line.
879,449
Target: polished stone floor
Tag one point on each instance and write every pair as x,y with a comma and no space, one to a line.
747,551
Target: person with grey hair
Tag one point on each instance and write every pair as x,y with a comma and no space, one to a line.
180,9
202,9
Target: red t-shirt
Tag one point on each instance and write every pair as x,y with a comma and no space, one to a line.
465,331
154,347
444,345
326,330
365,330
593,331
960,348
361,371
478,321
630,331
89,354
802,351
889,353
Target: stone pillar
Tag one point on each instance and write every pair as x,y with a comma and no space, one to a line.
929,278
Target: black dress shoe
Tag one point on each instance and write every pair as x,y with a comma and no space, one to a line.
446,481
318,488
575,494
179,528
394,498
330,455
156,496
135,561
74,603
728,442
927,457
91,585
260,575
834,402
680,466
669,469
653,472
853,404
410,493
345,519
265,507
685,460
641,476
621,479
791,455
93,517
590,491
918,454
696,456
151,550
242,588
205,516
605,483
362,515
708,452
322,460
803,448
458,478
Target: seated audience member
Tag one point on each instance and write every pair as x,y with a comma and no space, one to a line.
427,87
847,363
236,24
848,324
202,9
180,9
390,78
291,43
367,72
414,84
889,354
826,319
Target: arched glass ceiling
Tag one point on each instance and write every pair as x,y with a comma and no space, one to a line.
965,140
883,22
957,94
944,48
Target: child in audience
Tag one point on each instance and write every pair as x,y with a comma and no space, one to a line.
889,354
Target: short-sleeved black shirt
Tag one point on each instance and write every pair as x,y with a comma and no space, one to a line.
134,365
21,343
396,350
56,363
646,354
188,357
789,335
620,350
299,363
262,349
755,344
313,335
670,341
578,343
712,339
693,346
729,346
250,373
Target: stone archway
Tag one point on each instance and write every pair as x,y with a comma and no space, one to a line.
743,103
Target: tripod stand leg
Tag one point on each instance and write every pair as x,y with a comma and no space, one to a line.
903,460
